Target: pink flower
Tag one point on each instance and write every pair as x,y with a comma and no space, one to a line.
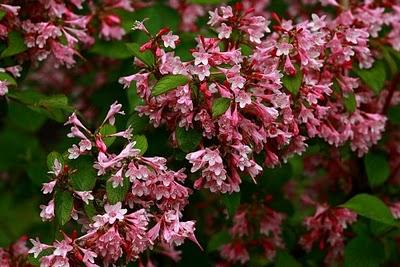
63,54
240,226
37,248
127,134
317,22
14,70
243,99
109,246
170,40
75,132
84,145
202,71
395,209
141,83
117,179
354,35
329,2
226,11
111,27
88,257
139,25
85,196
11,9
47,212
47,188
3,88
283,48
235,252
115,108
224,31
328,225
73,119
114,212
56,168
74,152
201,58
214,17
62,248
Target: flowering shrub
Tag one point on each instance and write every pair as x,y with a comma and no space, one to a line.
200,132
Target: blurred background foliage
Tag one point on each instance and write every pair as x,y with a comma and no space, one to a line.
31,126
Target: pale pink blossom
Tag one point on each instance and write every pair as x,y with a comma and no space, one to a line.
170,40
224,31
37,248
3,88
114,212
115,108
48,188
85,196
47,212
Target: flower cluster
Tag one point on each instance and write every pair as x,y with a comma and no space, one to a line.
15,255
235,91
254,226
56,30
148,212
252,91
326,227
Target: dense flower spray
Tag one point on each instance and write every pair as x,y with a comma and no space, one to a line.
245,235
147,213
252,92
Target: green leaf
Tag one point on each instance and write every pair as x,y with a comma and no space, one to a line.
108,129
2,14
374,77
28,97
158,15
18,153
55,107
293,83
84,176
362,251
90,210
394,114
6,77
141,143
36,261
16,45
138,123
390,60
218,240
133,98
370,207
188,140
231,202
23,117
146,57
377,228
52,157
377,168
219,106
36,171
111,49
117,194
350,102
246,50
63,207
168,83
284,259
